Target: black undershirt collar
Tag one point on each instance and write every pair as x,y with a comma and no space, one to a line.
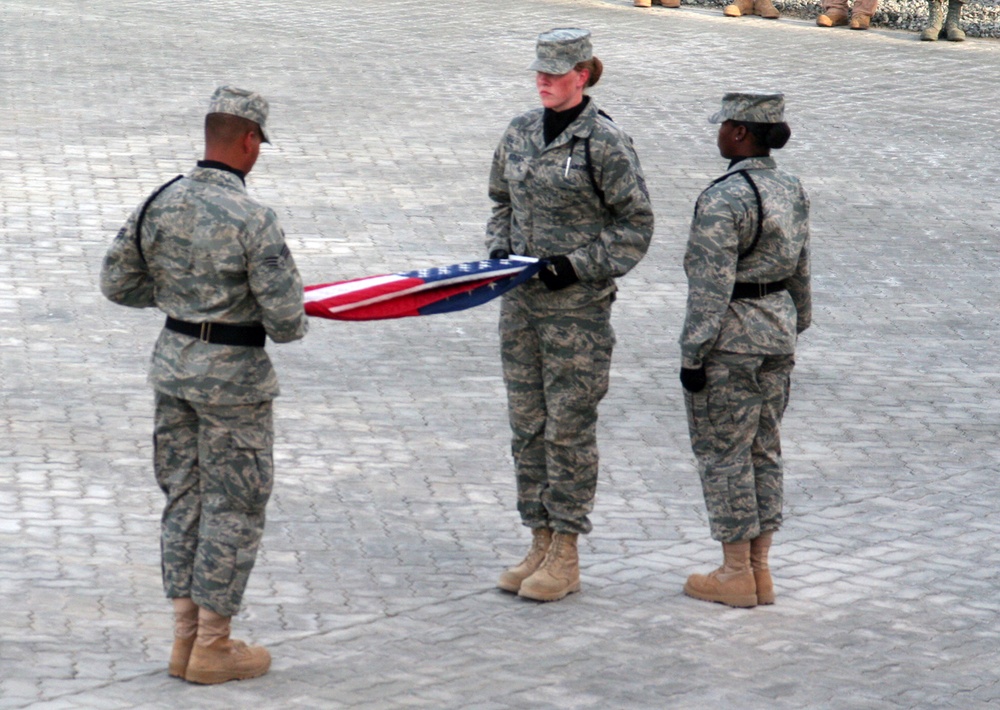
555,122
222,166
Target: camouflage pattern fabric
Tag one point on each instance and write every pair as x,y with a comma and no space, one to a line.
212,255
746,345
542,208
558,51
754,108
214,464
735,427
556,368
243,103
724,224
557,345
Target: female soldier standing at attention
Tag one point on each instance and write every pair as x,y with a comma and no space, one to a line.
567,187
747,264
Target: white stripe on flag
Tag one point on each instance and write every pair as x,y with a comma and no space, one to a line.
340,289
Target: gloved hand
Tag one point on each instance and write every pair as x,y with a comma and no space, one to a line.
499,254
558,273
694,379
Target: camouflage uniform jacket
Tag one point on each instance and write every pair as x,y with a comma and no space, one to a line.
212,254
724,225
541,208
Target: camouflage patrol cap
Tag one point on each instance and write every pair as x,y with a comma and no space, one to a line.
753,108
558,51
240,102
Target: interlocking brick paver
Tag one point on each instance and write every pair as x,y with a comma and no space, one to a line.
394,506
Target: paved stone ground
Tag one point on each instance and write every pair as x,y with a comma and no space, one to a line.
393,512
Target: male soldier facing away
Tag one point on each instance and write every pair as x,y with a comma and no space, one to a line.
215,261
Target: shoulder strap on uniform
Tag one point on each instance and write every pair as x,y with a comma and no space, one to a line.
760,216
142,214
590,172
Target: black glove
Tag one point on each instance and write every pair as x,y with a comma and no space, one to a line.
558,273
694,380
499,254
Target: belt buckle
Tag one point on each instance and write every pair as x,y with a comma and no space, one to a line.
206,333
761,290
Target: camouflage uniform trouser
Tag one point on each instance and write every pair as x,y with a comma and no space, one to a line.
556,368
214,463
735,425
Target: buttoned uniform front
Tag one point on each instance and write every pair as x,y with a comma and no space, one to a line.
210,254
556,345
746,345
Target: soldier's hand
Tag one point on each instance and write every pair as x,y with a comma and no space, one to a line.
499,254
694,379
558,273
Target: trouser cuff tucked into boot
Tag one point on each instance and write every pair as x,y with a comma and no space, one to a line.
731,584
559,573
216,658
185,630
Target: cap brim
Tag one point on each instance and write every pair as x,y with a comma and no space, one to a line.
718,117
551,66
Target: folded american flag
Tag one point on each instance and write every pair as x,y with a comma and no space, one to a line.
419,293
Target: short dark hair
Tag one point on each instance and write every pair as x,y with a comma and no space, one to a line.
767,135
225,128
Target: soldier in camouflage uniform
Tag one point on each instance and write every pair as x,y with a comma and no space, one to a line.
215,261
749,297
567,187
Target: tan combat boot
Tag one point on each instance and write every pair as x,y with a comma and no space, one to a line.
559,574
935,17
951,28
738,8
765,9
833,17
510,579
185,630
643,3
731,584
759,548
861,14
216,658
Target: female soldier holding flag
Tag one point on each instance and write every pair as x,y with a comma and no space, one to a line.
567,187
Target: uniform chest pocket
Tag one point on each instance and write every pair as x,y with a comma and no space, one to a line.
515,172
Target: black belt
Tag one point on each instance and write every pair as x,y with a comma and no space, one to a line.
749,290
252,336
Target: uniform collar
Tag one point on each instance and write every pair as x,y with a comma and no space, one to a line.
582,127
762,162
216,165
